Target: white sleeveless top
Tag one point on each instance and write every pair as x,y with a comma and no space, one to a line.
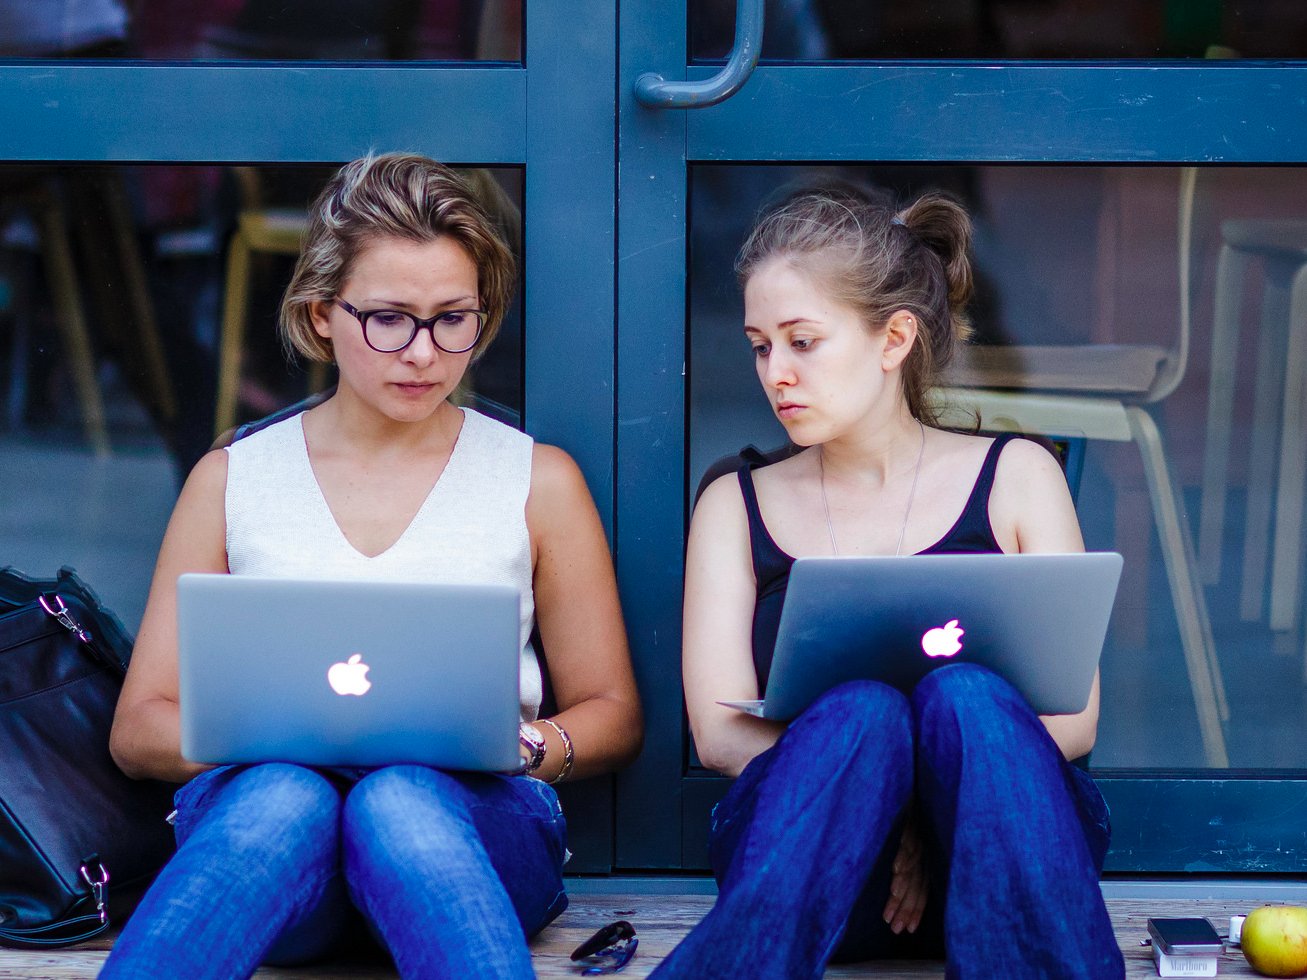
471,529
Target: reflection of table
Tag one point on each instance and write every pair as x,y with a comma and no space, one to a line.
93,204
1280,392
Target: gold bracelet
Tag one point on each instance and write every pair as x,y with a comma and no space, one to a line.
568,755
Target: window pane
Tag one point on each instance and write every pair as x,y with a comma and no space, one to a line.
1071,29
112,286
1090,257
226,30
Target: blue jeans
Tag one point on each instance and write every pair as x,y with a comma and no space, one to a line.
450,871
802,845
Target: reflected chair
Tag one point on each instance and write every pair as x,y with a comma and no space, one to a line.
1279,396
40,195
1099,392
259,230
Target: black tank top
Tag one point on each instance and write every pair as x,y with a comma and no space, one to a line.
970,534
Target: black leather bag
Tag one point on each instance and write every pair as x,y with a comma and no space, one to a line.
70,822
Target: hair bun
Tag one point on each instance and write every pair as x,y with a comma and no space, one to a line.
944,226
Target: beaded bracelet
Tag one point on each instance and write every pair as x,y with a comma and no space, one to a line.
568,755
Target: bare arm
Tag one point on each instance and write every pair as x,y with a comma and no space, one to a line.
1032,512
580,622
717,654
146,736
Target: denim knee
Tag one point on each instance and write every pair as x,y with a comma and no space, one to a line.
969,705
964,690
857,701
276,798
385,799
841,722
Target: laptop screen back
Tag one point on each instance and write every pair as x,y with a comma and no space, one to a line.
1039,621
348,673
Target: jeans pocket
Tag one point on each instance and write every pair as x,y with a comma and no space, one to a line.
193,797
543,795
529,805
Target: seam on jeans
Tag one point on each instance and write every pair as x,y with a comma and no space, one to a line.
546,918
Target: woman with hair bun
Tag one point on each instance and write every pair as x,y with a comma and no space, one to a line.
949,822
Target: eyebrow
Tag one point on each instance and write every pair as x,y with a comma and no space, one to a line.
401,304
795,321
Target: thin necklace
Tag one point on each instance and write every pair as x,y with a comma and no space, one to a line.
912,494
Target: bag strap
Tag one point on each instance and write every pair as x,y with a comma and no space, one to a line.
54,934
73,929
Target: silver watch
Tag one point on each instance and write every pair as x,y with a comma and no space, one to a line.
534,743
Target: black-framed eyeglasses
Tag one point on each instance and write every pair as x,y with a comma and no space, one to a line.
608,950
389,331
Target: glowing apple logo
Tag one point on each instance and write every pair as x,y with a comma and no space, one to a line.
350,677
942,641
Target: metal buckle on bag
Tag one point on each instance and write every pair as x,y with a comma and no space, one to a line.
54,604
98,885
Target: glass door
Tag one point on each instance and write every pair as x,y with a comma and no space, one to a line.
145,145
1137,200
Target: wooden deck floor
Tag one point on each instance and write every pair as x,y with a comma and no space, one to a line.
661,921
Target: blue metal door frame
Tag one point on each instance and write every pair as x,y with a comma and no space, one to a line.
899,112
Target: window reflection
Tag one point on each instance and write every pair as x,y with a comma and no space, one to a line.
1071,29
1090,258
224,30
113,295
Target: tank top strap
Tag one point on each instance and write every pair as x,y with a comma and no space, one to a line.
765,552
990,467
976,513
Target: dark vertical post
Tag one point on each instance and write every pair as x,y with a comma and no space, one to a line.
651,269
571,53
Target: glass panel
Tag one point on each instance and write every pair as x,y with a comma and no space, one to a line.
1089,256
806,30
241,30
112,284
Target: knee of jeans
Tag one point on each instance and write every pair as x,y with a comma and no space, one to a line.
394,795
962,687
970,700
277,798
857,710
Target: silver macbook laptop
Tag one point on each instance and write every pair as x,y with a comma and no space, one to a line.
348,673
1039,621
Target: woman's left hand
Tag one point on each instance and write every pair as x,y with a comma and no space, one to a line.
908,888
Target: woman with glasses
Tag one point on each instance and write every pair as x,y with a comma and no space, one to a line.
402,282
877,824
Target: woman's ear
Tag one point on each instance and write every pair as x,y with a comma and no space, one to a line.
900,335
320,316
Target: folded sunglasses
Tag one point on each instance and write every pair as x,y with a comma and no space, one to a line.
608,950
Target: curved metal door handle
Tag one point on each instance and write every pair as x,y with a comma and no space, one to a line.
656,92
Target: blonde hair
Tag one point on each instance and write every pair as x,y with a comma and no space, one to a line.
394,195
878,262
